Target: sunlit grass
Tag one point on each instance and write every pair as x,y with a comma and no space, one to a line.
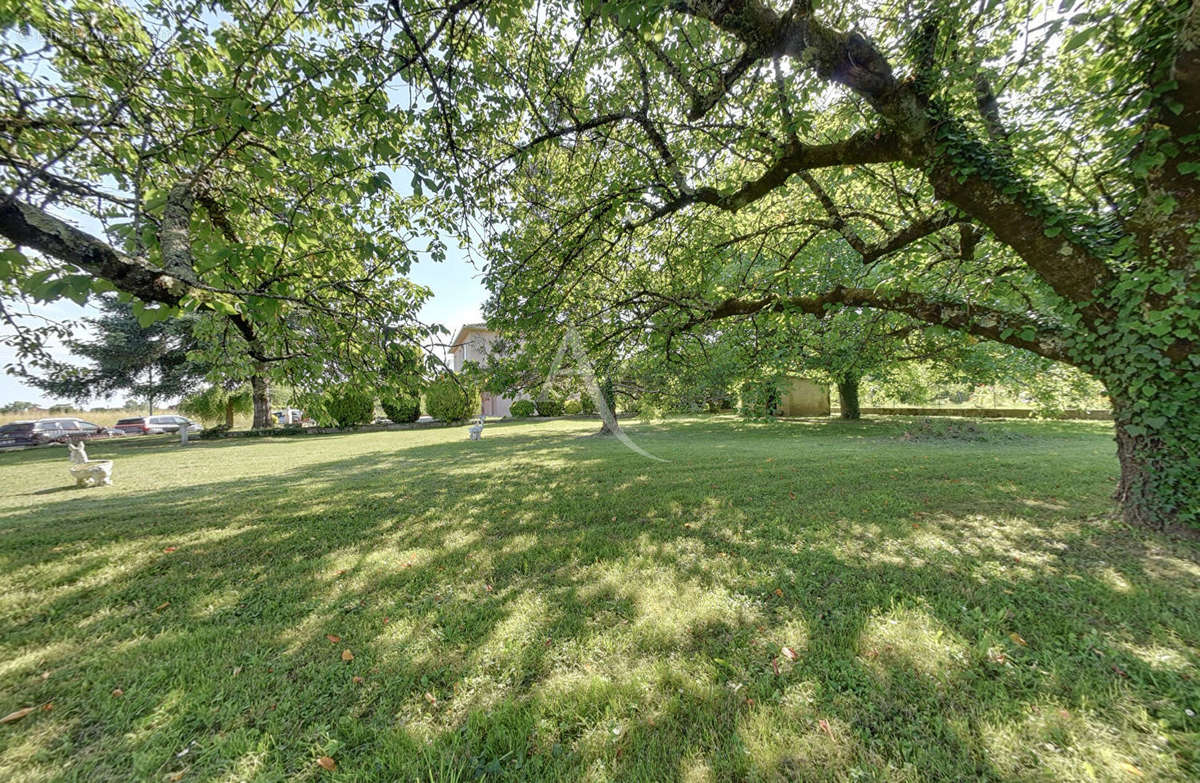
542,605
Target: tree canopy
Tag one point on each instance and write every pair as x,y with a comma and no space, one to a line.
149,361
233,158
1023,173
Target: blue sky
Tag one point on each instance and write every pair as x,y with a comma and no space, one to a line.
458,296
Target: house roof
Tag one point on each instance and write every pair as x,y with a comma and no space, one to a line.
461,336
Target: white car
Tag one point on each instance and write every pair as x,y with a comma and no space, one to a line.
155,425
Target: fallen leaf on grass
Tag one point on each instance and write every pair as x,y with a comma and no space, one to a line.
46,675
170,549
356,680
347,655
1130,768
175,777
775,665
332,638
788,653
21,713
118,692
429,697
162,606
237,670
824,724
327,763
1016,637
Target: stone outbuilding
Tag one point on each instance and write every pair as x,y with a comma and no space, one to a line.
802,397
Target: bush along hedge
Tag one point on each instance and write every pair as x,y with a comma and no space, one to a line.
759,399
401,408
571,407
448,399
522,409
348,406
549,407
587,403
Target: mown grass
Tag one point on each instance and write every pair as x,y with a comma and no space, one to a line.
542,605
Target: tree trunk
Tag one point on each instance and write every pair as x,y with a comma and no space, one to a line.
261,389
848,396
229,414
1160,465
608,410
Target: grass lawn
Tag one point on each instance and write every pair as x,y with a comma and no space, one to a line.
789,601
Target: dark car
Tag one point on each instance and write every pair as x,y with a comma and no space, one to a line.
155,425
35,433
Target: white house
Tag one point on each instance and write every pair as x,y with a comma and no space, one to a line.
473,343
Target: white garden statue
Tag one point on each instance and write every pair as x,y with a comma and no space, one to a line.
88,473
476,429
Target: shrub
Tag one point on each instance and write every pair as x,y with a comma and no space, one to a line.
216,403
571,407
522,409
402,408
348,406
549,407
587,403
759,399
212,433
449,400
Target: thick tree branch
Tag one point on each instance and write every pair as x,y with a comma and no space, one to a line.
861,148
174,233
989,110
28,226
1009,328
1068,264
1185,72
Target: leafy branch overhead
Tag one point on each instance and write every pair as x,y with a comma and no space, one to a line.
240,166
1026,177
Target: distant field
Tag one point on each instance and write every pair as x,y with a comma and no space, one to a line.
791,601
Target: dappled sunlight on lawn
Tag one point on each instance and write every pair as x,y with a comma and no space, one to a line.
776,602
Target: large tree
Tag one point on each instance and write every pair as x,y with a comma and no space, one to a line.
233,160
149,361
1020,173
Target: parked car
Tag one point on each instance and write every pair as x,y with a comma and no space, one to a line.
35,433
155,425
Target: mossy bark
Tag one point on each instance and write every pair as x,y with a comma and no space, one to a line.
848,397
261,390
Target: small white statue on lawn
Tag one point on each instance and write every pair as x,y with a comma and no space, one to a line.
88,473
476,429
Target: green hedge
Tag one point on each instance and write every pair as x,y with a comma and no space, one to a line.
402,408
522,409
451,400
571,407
549,407
348,406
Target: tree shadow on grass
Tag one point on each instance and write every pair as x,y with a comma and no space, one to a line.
546,607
